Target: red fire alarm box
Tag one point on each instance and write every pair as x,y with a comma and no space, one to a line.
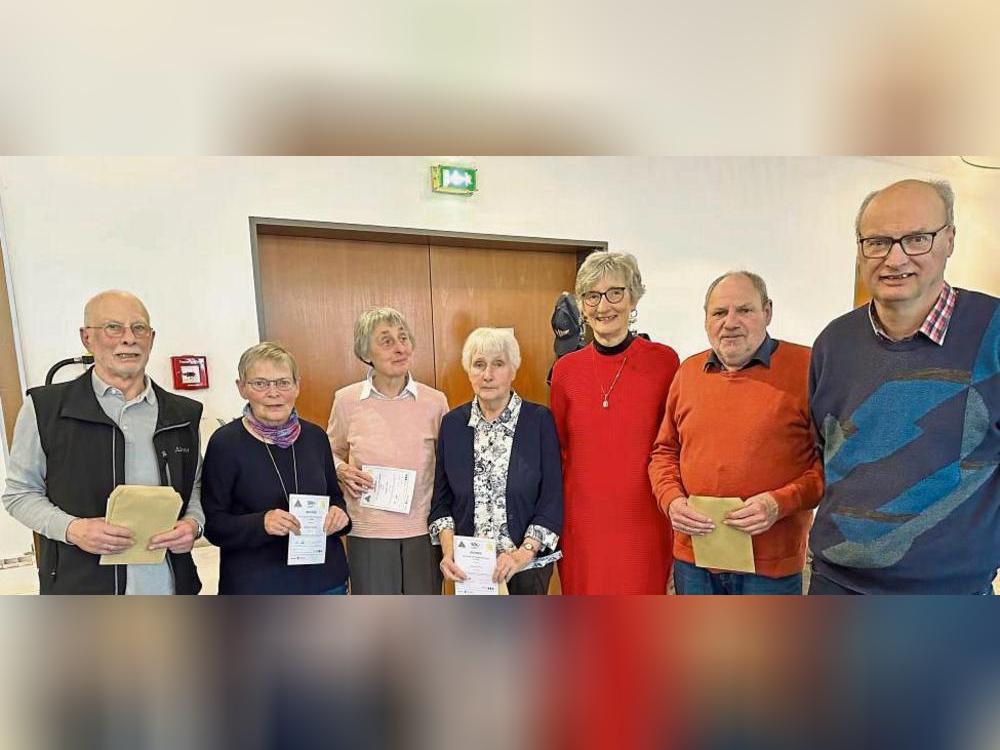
190,372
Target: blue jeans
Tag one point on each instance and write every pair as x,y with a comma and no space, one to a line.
337,590
689,579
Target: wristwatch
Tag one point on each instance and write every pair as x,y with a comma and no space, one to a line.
529,544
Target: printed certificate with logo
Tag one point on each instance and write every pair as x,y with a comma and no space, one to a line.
393,490
309,546
477,558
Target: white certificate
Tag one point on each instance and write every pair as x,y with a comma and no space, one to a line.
478,559
393,489
309,547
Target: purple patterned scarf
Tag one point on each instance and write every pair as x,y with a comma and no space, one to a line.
282,435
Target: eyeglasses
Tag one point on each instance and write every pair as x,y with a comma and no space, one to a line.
117,330
260,385
912,244
614,295
389,342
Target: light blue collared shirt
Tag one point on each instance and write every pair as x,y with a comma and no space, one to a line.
26,498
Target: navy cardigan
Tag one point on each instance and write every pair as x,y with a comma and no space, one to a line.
534,476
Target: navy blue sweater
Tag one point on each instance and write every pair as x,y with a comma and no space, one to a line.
910,434
534,475
239,485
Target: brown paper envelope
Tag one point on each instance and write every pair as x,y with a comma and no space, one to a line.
725,548
146,511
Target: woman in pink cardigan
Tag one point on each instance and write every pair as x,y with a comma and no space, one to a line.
387,420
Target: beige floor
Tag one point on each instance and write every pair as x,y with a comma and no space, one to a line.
24,579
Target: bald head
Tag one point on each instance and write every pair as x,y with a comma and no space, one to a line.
120,348
934,199
96,311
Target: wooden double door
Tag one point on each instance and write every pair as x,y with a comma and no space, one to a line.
312,288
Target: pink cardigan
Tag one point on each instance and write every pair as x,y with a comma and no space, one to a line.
401,433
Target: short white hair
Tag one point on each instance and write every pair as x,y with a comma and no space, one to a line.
491,341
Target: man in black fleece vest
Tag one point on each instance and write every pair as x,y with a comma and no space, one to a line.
75,442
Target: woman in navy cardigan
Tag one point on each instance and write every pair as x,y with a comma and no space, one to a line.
499,470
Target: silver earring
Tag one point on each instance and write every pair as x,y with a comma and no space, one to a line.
632,318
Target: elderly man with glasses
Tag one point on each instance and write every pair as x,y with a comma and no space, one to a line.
75,442
905,395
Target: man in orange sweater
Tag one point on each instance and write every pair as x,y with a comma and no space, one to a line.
737,424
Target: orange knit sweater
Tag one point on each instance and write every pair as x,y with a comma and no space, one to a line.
737,434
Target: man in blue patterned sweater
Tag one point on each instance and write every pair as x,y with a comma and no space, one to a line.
905,394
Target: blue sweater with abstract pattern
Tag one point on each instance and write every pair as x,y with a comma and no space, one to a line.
910,437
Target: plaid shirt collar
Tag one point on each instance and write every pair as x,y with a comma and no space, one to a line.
935,325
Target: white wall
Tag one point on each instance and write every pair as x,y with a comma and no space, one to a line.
175,231
15,539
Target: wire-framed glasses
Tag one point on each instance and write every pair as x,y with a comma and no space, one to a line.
260,385
115,330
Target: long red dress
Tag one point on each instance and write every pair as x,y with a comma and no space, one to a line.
615,540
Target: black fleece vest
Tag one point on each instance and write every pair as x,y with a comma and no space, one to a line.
85,461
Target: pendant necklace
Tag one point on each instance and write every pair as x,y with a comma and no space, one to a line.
614,381
295,472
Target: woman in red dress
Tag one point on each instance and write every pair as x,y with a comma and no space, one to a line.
608,401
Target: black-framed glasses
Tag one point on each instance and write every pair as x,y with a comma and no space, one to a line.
116,330
261,385
614,295
912,244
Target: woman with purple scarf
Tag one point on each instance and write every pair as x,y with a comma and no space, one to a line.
255,469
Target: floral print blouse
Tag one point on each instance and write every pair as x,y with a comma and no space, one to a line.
492,443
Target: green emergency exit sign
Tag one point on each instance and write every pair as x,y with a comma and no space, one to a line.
450,179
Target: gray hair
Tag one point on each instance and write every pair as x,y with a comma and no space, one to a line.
941,187
267,351
491,341
757,281
604,263
366,324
